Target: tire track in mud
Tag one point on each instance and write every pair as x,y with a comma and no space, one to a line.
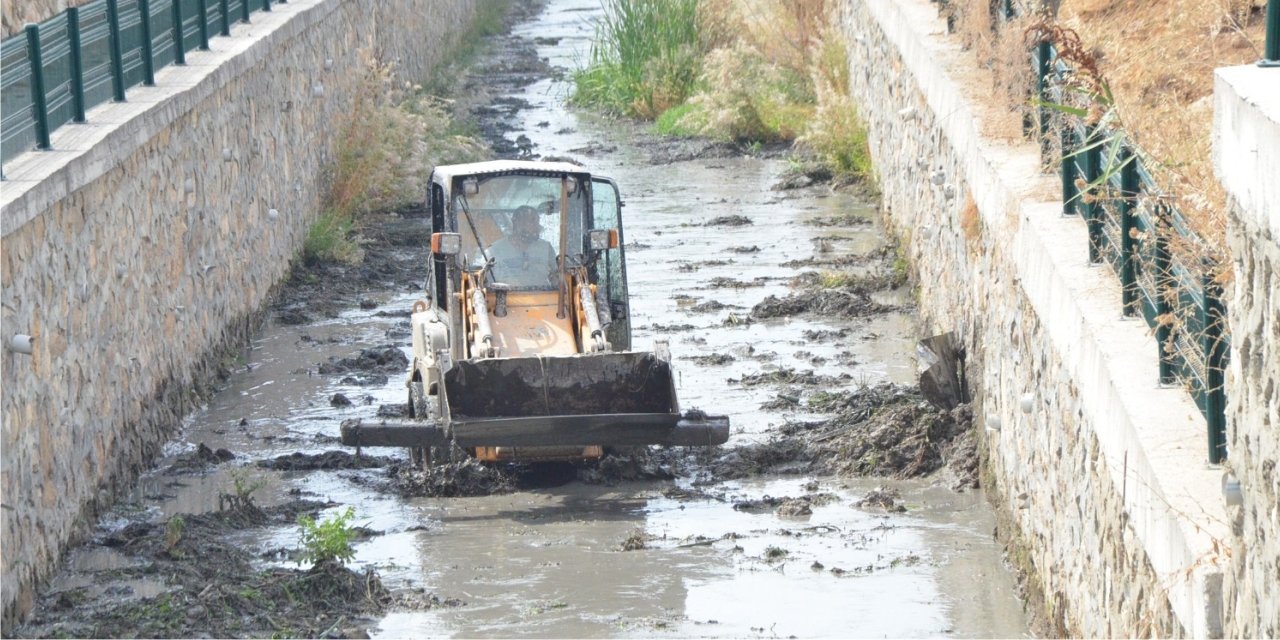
697,542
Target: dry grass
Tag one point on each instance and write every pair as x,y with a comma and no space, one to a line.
1158,59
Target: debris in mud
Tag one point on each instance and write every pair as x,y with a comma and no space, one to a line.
199,460
795,508
826,335
802,174
339,400
751,249
292,317
830,302
766,503
733,283
787,375
639,464
634,542
775,554
886,430
860,283
849,219
398,410
782,402
298,461
366,380
671,328
886,499
734,220
211,588
386,358
713,360
451,480
711,306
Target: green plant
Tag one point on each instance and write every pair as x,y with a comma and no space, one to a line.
645,58
329,240
681,121
242,490
329,540
173,533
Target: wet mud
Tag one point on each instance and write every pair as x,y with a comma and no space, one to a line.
833,510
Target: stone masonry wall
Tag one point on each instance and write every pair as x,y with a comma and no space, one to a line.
1098,476
1246,149
136,263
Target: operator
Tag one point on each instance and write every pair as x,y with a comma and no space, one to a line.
522,258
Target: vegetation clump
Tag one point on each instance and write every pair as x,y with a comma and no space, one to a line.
327,541
757,73
389,140
645,59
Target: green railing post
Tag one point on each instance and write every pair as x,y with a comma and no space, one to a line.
1164,310
1128,202
224,9
244,11
179,49
204,24
1043,53
266,5
117,57
1271,48
148,57
1214,347
77,64
1092,173
1069,192
39,101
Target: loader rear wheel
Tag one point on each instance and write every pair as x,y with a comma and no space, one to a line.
419,457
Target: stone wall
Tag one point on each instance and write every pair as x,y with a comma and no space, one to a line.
1099,476
1246,145
17,13
140,251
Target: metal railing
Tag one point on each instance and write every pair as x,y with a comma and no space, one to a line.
1271,48
1137,230
53,72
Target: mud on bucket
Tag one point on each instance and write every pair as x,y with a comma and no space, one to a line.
597,384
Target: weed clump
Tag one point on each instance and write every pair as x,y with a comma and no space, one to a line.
645,59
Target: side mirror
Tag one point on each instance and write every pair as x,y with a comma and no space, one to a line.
446,244
601,239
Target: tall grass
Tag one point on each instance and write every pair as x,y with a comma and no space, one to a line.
836,134
389,140
747,71
645,59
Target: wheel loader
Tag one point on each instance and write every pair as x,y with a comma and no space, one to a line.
522,341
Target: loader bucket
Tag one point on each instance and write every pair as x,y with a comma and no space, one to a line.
604,399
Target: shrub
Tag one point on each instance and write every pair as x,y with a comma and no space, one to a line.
747,98
328,541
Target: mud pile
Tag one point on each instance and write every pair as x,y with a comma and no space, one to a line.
885,430
451,480
210,587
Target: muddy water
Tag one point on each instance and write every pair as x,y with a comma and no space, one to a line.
549,562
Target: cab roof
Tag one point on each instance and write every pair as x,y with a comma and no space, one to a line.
446,173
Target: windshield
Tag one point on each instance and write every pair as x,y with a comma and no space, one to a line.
514,221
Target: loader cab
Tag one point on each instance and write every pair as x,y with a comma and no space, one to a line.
521,226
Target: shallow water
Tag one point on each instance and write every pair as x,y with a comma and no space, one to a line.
548,562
